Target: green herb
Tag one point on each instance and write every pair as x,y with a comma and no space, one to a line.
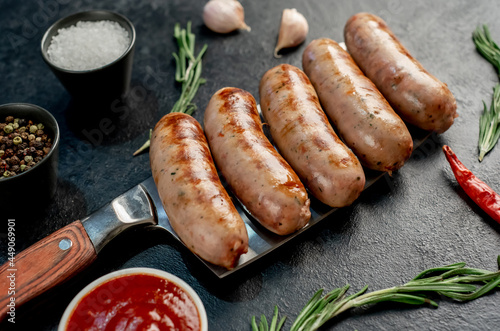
190,75
263,326
489,124
187,72
145,145
454,281
486,46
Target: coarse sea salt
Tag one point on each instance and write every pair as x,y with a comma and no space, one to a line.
88,45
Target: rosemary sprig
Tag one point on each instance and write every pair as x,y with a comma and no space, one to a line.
190,75
489,123
454,281
188,69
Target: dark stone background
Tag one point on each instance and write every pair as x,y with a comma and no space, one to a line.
416,219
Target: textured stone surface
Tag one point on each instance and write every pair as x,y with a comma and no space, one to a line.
416,219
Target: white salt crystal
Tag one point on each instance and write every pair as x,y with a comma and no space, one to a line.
88,45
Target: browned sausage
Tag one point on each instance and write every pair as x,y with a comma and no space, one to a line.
306,139
198,207
416,95
362,116
257,174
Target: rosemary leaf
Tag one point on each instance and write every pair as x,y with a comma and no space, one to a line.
263,323
400,297
280,324
439,269
465,271
437,287
275,319
254,324
275,325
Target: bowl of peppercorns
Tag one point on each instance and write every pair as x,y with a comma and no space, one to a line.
29,144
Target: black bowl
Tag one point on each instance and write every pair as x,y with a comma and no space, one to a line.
95,85
36,186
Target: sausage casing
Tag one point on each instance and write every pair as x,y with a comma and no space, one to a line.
416,95
362,116
257,174
305,138
198,207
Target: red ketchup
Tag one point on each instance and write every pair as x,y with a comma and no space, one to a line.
136,302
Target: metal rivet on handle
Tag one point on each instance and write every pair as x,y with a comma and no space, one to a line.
65,244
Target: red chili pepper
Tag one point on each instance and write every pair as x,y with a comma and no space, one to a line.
477,190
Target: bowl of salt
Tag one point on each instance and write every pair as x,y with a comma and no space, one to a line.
91,53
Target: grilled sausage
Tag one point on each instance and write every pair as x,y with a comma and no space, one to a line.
305,138
416,95
362,116
198,207
257,174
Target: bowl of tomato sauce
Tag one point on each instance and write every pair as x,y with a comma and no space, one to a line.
136,299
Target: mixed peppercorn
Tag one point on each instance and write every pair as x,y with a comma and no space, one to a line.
23,144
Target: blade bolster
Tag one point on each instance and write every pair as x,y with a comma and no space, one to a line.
128,210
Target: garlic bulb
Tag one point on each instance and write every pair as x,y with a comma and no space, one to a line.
224,16
293,30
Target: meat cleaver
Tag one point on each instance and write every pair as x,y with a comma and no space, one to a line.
64,253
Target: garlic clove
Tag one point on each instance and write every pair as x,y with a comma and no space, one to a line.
224,16
293,30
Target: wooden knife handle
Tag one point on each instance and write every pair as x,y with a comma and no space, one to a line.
44,265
